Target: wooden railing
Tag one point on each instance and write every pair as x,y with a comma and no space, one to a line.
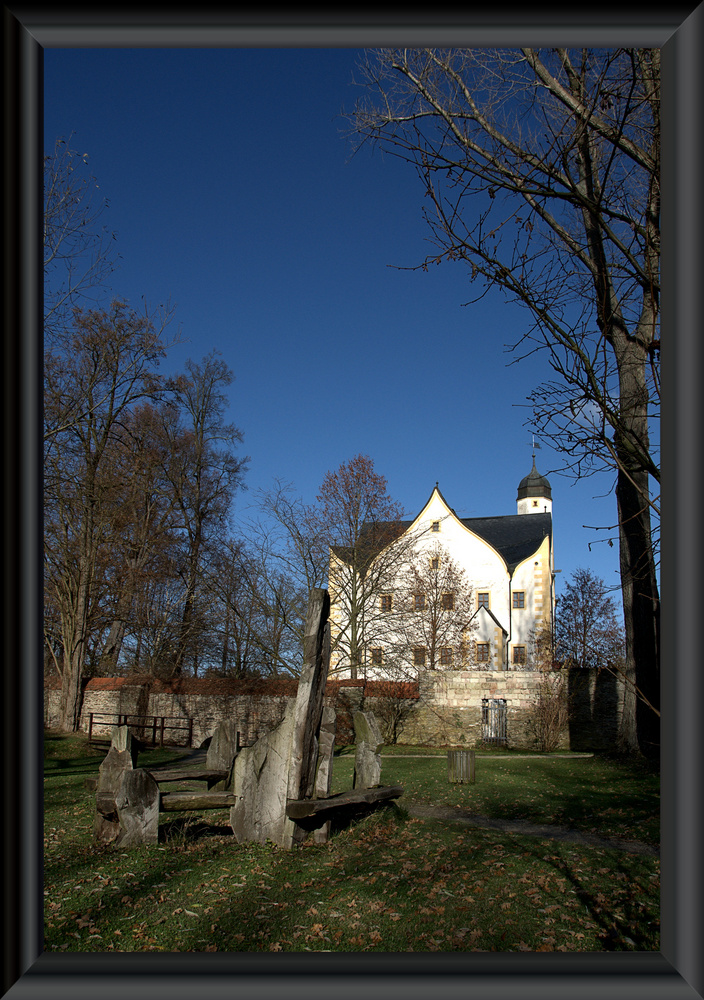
150,728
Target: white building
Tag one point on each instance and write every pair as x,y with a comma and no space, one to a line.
508,562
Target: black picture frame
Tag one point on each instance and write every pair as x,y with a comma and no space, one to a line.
677,971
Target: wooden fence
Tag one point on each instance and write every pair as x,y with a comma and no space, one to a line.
149,728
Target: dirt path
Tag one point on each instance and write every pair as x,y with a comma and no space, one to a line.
523,828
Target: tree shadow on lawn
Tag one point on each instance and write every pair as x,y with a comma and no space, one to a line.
189,829
630,924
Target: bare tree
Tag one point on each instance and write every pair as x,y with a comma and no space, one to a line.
108,366
434,619
143,522
79,251
258,609
541,173
588,634
360,521
203,472
587,630
548,712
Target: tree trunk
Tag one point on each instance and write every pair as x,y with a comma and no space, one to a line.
186,621
641,607
641,600
75,636
113,647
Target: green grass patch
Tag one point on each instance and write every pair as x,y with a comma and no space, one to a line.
389,883
591,794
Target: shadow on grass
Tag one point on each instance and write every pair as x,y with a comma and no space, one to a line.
187,829
621,928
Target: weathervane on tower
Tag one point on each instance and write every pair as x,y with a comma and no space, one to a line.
534,446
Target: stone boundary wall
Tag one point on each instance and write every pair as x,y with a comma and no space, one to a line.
449,708
257,706
443,709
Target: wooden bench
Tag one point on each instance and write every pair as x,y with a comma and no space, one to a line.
279,788
211,775
311,813
186,801
191,801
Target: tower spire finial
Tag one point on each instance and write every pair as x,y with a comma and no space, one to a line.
534,446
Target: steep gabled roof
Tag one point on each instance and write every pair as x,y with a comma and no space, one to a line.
514,536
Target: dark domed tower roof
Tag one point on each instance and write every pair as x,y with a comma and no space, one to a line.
534,485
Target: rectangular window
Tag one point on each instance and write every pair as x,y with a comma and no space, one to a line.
386,602
519,599
419,602
448,602
519,654
435,562
419,656
445,656
483,600
482,652
435,526
376,656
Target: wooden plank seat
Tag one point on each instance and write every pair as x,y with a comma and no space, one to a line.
209,774
311,813
187,801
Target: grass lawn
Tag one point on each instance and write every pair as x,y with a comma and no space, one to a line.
389,883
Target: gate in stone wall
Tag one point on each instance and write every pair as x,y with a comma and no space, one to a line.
494,713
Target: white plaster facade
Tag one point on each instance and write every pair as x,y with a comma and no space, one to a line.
508,560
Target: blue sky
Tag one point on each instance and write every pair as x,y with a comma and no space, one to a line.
234,195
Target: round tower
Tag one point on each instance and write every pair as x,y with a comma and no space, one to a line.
534,493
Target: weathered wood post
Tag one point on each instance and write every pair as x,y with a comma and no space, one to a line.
323,777
137,803
121,757
367,759
281,765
